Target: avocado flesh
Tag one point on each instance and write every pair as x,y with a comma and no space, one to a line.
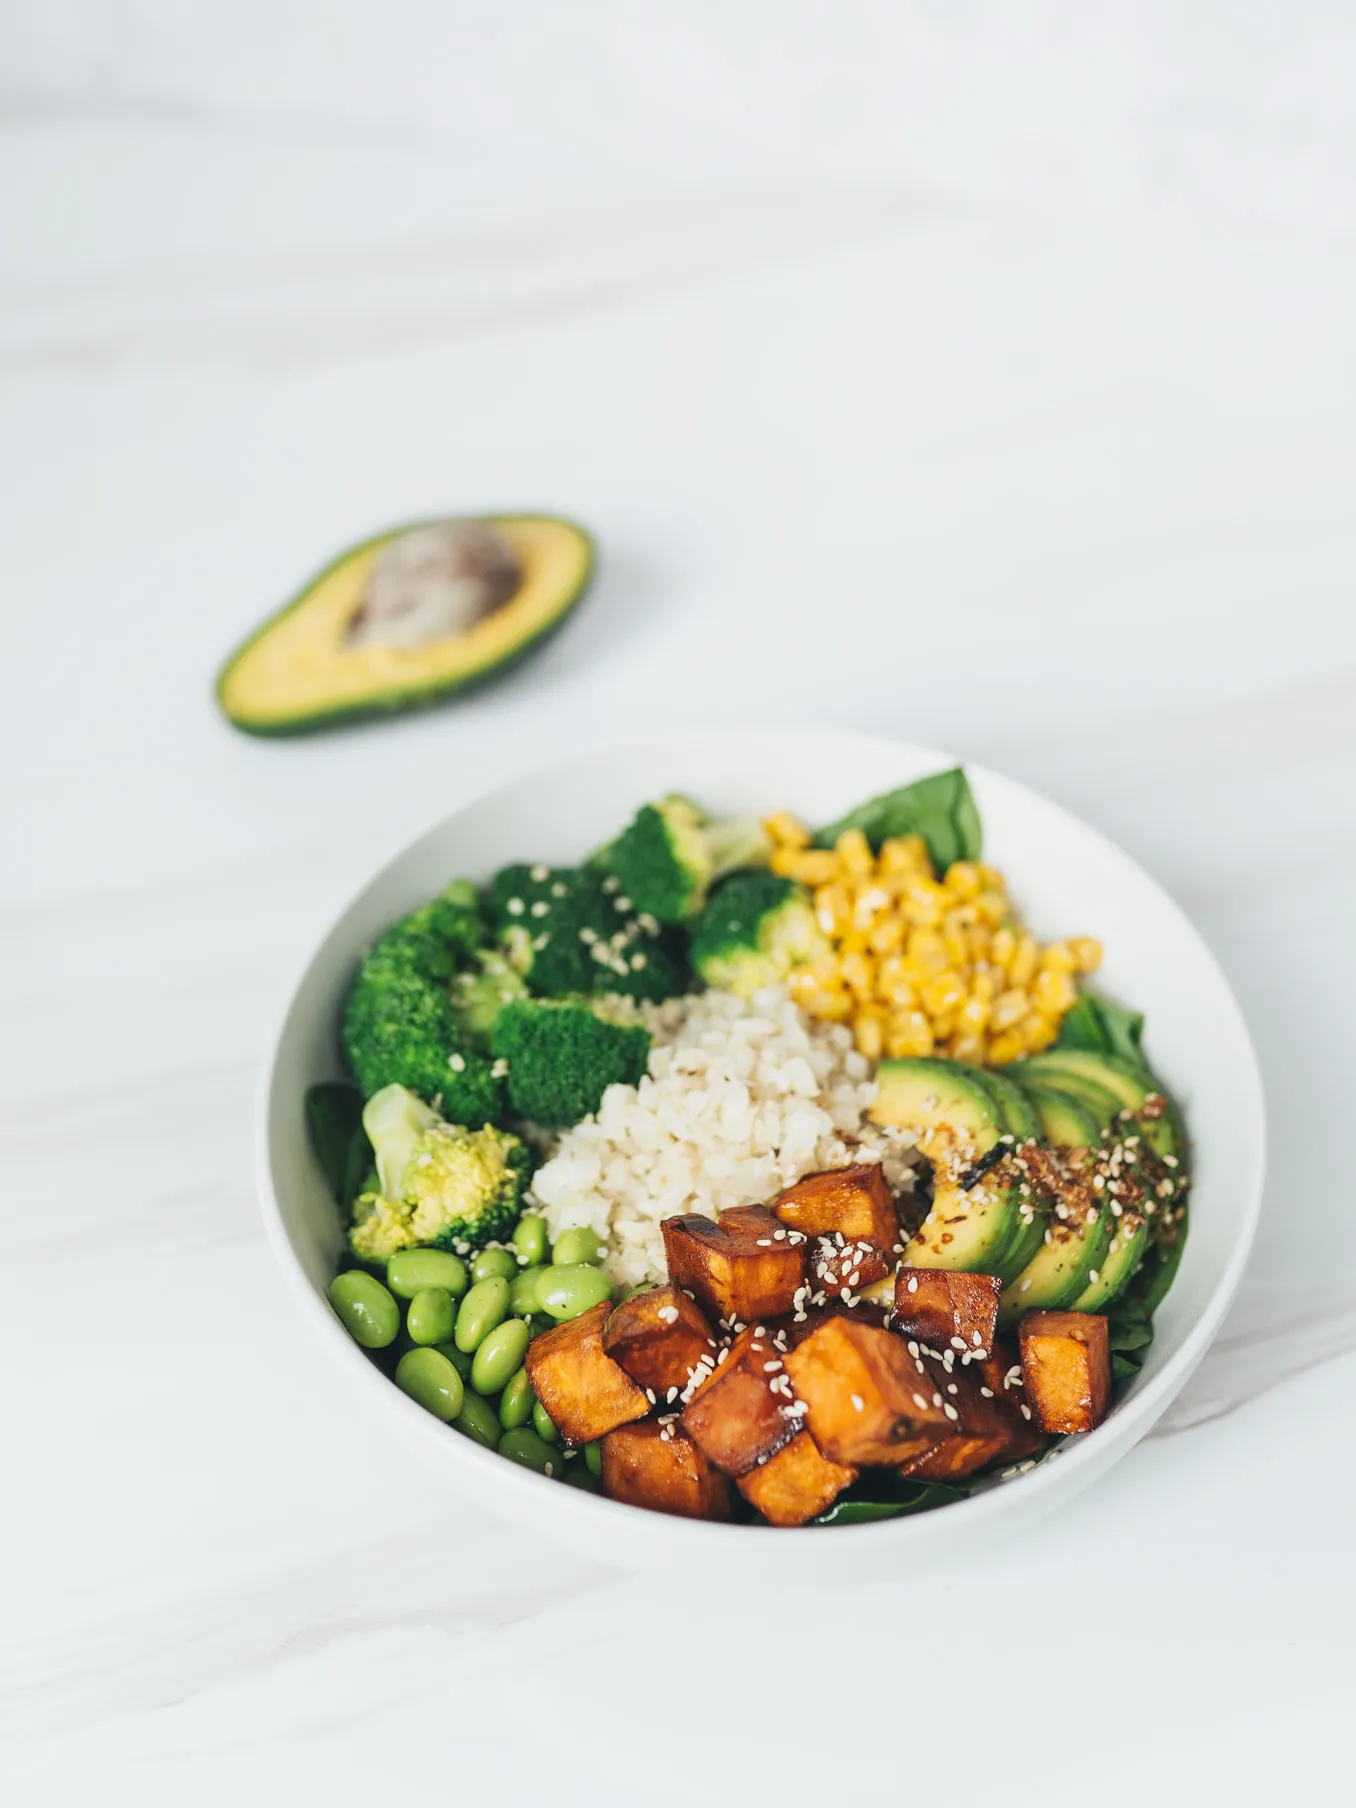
1128,1248
1063,1120
301,670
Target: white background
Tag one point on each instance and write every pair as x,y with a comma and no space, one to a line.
978,373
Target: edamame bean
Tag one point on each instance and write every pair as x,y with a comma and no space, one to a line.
565,1292
498,1356
572,1246
593,1456
366,1309
489,1262
459,1359
431,1380
516,1402
523,1290
485,1306
579,1476
525,1447
431,1315
544,1424
478,1420
409,1271
529,1239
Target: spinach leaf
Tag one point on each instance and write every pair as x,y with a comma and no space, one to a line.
940,808
1123,1367
887,1498
1169,1261
334,1117
1108,1028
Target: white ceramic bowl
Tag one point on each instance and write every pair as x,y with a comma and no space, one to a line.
1066,879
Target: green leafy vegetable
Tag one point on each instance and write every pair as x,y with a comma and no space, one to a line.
1123,1367
1109,1029
940,808
1162,1277
884,1498
334,1117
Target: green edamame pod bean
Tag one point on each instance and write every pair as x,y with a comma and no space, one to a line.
565,1292
431,1315
593,1456
489,1262
530,1240
523,1290
366,1309
544,1424
485,1306
578,1475
516,1402
525,1447
459,1359
573,1246
498,1355
478,1420
409,1271
431,1380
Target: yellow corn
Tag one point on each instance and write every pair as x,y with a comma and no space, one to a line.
917,964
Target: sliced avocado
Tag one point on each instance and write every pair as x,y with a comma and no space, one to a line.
943,1101
1129,1242
1062,1267
1063,1120
407,618
1130,1084
967,1230
1019,1117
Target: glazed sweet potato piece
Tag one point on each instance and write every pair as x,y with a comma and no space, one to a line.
987,1425
656,1465
795,1483
947,1309
1001,1373
856,1202
868,1398
740,1271
743,1413
659,1337
843,1265
586,1393
1066,1368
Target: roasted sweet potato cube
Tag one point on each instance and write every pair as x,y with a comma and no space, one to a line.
758,1220
655,1464
986,1427
659,1338
586,1393
1066,1368
853,1201
740,1273
843,1265
1001,1373
946,1309
868,1399
744,1411
795,1483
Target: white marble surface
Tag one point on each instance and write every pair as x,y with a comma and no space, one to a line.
1018,351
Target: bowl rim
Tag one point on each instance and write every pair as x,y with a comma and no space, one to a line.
520,1491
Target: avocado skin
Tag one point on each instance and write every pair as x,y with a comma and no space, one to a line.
414,697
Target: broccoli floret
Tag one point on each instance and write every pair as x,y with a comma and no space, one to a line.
669,855
563,1054
756,927
400,1026
481,991
570,930
440,1185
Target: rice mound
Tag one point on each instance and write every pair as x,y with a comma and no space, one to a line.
742,1098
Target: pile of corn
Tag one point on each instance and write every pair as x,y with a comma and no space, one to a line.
921,965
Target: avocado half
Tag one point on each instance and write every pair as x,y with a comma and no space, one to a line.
303,670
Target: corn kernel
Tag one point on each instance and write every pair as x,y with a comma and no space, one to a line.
944,993
1005,1048
833,908
924,902
978,939
1009,1008
833,1003
787,829
1054,993
1087,951
1058,958
858,973
886,934
973,1016
968,1048
901,854
993,908
803,983
853,942
1022,966
869,1029
812,866
962,878
1037,1032
908,1033
943,1024
956,941
854,855
1002,947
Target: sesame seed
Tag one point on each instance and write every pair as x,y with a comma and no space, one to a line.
977,1340
1025,1410
457,1063
858,1404
913,1284
987,1392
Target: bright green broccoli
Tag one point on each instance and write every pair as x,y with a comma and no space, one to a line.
400,1025
481,991
563,1054
755,928
570,930
669,856
440,1185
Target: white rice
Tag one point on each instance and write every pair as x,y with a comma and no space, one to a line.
742,1098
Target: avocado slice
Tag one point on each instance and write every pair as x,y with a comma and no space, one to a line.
1127,1250
1064,1120
456,603
1074,1069
940,1100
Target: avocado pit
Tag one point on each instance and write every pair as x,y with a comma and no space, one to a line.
435,581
